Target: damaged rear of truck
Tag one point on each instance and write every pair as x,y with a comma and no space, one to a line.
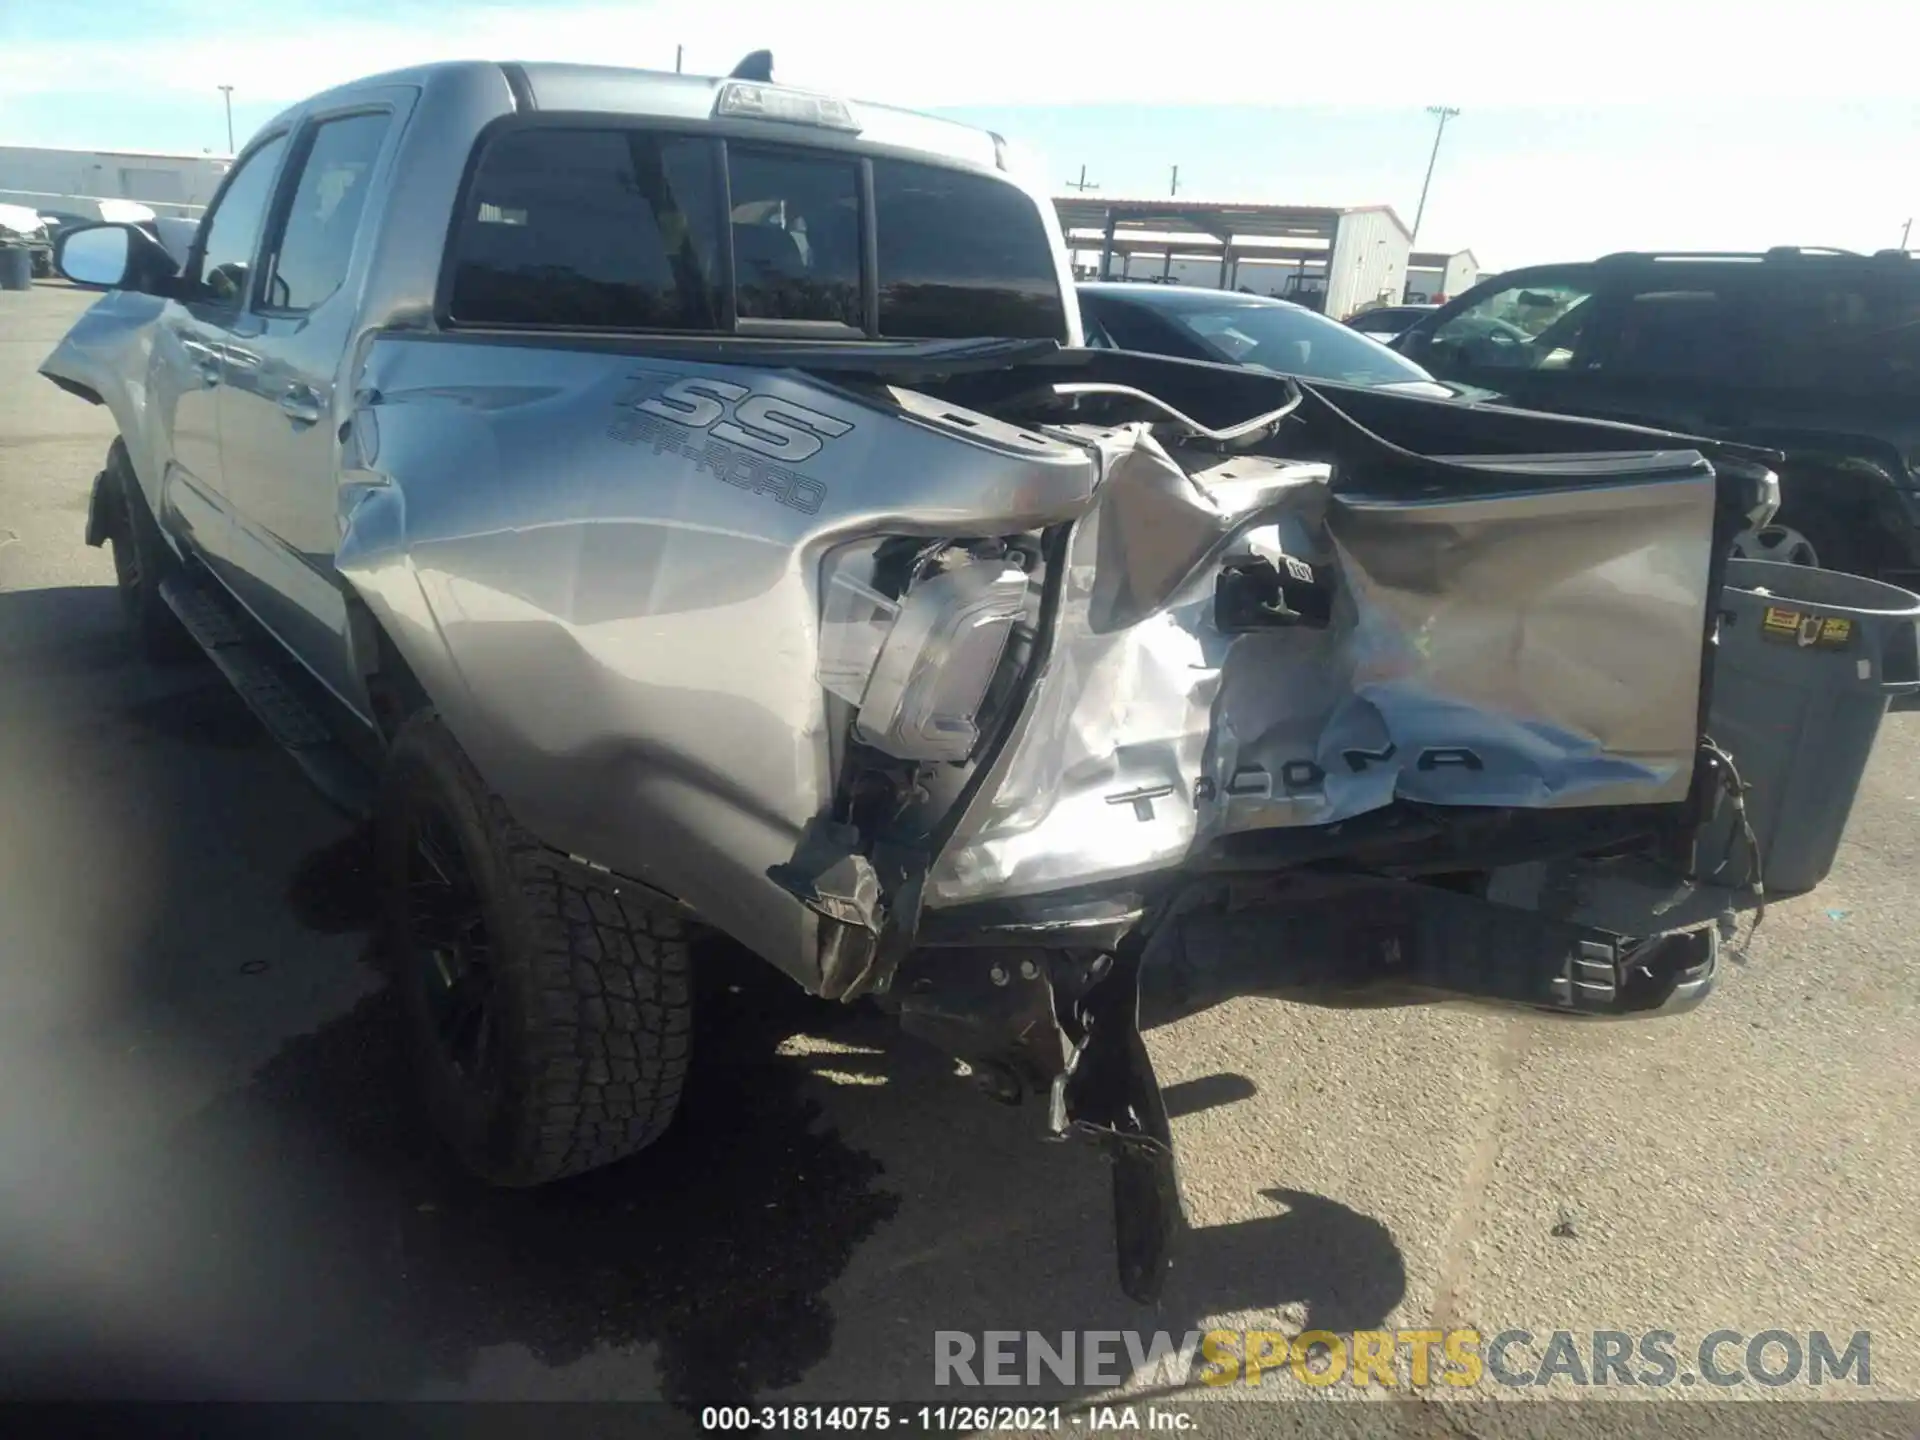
1027,690
1045,681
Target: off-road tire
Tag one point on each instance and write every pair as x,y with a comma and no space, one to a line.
141,560
590,983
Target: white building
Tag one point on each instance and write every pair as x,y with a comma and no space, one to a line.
1337,260
1435,275
51,178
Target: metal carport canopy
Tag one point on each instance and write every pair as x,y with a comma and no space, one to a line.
1196,224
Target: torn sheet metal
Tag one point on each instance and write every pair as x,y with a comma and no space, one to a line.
1533,643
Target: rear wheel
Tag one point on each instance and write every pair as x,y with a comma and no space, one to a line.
1780,543
1814,527
549,1014
141,560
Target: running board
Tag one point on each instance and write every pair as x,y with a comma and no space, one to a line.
275,695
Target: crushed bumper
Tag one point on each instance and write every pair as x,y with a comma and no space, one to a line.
1364,940
1066,1023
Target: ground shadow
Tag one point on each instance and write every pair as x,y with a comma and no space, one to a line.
1206,1092
712,1248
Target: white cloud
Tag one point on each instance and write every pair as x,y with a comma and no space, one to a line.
1000,52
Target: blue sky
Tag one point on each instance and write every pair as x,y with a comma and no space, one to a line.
1585,127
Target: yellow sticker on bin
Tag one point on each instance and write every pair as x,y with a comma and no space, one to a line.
1826,632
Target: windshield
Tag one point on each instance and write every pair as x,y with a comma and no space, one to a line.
1294,342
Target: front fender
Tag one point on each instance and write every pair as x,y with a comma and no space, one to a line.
106,358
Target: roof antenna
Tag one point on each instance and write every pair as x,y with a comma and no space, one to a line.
757,66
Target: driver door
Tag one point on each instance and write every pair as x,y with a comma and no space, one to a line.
1527,337
282,409
189,368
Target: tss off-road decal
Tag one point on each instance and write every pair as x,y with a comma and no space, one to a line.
732,432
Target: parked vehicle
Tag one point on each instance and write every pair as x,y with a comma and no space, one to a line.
1388,321
22,227
1815,354
1235,328
663,501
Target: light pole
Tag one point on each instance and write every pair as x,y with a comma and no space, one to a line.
1444,113
227,92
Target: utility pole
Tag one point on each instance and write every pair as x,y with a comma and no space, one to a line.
1444,114
227,92
1174,188
1082,184
679,53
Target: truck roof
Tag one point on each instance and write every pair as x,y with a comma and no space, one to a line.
614,90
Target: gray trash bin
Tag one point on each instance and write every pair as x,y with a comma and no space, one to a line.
16,267
1808,661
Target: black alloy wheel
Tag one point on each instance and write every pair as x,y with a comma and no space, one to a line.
447,930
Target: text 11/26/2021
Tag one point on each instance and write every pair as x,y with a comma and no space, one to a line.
940,1419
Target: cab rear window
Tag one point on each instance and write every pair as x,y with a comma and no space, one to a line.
631,229
961,255
589,229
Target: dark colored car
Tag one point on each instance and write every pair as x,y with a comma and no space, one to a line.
1812,353
1389,321
1222,325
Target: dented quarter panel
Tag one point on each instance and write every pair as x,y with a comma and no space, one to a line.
617,612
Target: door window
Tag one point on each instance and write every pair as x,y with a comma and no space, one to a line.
796,236
1537,326
232,230
1681,333
316,241
589,229
1858,334
962,255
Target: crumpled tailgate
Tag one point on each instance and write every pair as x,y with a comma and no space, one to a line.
1521,631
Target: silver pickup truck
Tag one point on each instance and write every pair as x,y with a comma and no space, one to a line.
661,502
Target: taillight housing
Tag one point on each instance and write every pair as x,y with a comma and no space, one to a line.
917,668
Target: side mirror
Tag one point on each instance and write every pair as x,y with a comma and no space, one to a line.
114,257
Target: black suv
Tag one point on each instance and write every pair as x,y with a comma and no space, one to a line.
1814,353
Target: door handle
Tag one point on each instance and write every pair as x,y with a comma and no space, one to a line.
300,405
206,361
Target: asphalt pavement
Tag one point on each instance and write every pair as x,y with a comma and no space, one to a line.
214,1183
